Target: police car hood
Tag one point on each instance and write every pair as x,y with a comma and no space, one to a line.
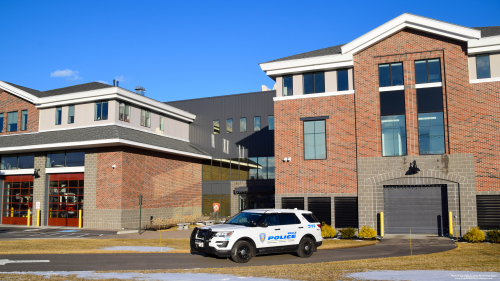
225,227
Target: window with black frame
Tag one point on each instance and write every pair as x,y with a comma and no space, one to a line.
315,139
24,120
101,110
65,159
124,112
71,114
342,80
483,66
428,71
17,161
58,115
430,120
393,123
287,86
12,121
216,127
314,83
390,74
1,122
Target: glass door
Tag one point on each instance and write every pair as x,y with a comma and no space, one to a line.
65,199
17,199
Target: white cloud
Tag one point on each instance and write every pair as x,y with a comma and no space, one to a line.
70,74
104,82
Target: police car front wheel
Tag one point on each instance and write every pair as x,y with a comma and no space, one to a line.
306,247
242,251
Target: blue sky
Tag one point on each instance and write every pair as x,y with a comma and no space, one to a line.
189,49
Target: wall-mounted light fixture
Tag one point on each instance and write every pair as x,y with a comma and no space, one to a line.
114,166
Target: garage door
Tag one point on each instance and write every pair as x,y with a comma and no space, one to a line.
421,208
292,203
321,208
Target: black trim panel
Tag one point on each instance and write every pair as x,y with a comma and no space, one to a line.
314,118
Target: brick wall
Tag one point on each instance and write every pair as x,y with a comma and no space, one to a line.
164,180
337,173
10,103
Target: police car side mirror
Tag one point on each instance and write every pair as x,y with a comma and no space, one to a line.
263,224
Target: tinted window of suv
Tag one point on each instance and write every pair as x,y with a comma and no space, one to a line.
310,217
272,219
289,219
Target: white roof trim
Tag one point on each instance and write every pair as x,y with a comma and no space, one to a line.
17,172
307,64
413,21
97,143
57,170
18,92
484,45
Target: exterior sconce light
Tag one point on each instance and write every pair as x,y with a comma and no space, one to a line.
114,166
289,159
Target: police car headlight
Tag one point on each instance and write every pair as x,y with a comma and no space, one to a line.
224,234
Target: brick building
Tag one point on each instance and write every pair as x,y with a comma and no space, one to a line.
401,121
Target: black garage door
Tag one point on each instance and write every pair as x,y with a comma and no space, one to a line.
292,203
421,208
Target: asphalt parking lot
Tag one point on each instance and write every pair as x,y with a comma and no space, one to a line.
14,233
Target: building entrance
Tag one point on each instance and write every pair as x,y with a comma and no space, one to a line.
17,199
65,199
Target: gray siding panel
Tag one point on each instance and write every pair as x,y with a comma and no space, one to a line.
256,144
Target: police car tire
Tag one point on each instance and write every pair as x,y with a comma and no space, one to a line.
242,251
306,247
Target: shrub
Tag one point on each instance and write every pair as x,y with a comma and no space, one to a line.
347,232
474,235
327,231
367,232
494,235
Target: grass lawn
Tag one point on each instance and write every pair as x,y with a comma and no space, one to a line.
468,257
93,246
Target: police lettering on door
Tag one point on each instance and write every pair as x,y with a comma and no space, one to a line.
288,237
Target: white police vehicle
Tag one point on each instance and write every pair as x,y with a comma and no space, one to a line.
260,231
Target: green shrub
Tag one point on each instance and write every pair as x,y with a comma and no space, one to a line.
494,235
367,232
347,232
474,235
327,231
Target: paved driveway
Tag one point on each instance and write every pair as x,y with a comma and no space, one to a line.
15,233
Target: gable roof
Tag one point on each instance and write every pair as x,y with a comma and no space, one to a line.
62,91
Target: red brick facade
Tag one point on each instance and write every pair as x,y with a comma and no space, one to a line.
335,174
10,103
164,180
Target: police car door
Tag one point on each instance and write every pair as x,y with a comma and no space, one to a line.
269,236
290,226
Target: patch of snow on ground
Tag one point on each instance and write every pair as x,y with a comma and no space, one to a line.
145,276
138,248
424,275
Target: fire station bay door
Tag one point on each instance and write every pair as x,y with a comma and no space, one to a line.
421,208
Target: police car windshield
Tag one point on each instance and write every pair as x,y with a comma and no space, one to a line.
245,218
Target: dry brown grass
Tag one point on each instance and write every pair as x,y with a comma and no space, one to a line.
468,257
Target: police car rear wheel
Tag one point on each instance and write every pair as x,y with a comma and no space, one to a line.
242,251
306,247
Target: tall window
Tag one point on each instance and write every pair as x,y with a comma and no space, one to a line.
393,123
216,127
271,122
342,80
1,122
124,112
483,66
243,124
145,118
428,71
58,115
12,122
101,110
24,120
71,114
288,86
256,123
162,123
431,133
390,74
229,126
314,83
314,140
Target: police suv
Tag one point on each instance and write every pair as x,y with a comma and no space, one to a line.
261,231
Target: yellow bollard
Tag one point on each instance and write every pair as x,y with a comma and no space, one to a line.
159,228
450,221
37,217
29,217
79,218
12,212
382,224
